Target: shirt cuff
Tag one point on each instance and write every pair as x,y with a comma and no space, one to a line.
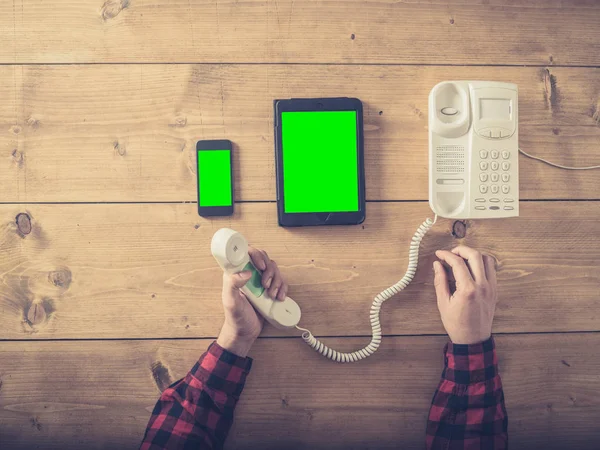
222,370
470,363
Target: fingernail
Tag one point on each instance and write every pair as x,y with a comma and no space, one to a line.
262,265
268,282
434,266
275,293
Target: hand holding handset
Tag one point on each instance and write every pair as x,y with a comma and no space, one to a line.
230,249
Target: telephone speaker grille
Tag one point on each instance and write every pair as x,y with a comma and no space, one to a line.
450,159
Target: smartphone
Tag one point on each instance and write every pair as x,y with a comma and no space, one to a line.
215,178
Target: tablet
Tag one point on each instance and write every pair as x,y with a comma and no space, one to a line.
319,155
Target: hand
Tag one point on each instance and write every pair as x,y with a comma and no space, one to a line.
242,323
467,314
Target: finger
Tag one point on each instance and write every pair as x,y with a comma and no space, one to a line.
440,281
490,268
269,274
258,257
474,260
458,265
282,291
275,285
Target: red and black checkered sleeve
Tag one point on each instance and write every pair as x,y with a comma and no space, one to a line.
467,411
197,411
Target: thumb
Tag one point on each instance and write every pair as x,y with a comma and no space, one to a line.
440,281
236,281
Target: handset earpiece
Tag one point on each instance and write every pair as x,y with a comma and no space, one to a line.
230,249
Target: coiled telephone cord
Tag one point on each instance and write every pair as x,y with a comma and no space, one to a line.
413,259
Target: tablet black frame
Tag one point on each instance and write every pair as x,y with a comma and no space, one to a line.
207,146
319,104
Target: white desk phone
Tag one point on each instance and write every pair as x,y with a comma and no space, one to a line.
473,173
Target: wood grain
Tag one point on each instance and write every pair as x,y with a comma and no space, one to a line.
127,132
96,395
383,31
145,270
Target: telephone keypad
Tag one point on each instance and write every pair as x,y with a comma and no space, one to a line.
498,181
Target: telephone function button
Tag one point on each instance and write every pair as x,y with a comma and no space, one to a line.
483,188
494,154
480,200
449,111
494,165
483,177
483,154
508,208
505,166
509,200
505,154
479,207
450,181
494,207
483,165
495,177
505,177
495,200
494,188
505,189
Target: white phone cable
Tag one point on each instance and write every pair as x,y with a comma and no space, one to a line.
557,165
413,259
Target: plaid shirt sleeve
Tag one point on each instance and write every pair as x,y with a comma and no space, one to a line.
197,411
467,411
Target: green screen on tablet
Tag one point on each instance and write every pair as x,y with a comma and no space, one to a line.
320,161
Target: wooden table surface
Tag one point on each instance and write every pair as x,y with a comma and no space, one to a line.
108,291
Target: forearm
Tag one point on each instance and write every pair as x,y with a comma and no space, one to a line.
198,410
468,405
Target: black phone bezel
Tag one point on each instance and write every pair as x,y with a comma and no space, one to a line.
213,145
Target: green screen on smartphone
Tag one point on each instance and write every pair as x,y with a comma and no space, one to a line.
214,177
320,161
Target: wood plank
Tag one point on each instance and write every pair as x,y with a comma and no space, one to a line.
99,394
145,270
416,32
128,132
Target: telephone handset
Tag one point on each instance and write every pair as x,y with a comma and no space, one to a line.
473,173
474,149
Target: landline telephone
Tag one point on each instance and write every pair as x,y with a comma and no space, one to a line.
473,173
474,149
